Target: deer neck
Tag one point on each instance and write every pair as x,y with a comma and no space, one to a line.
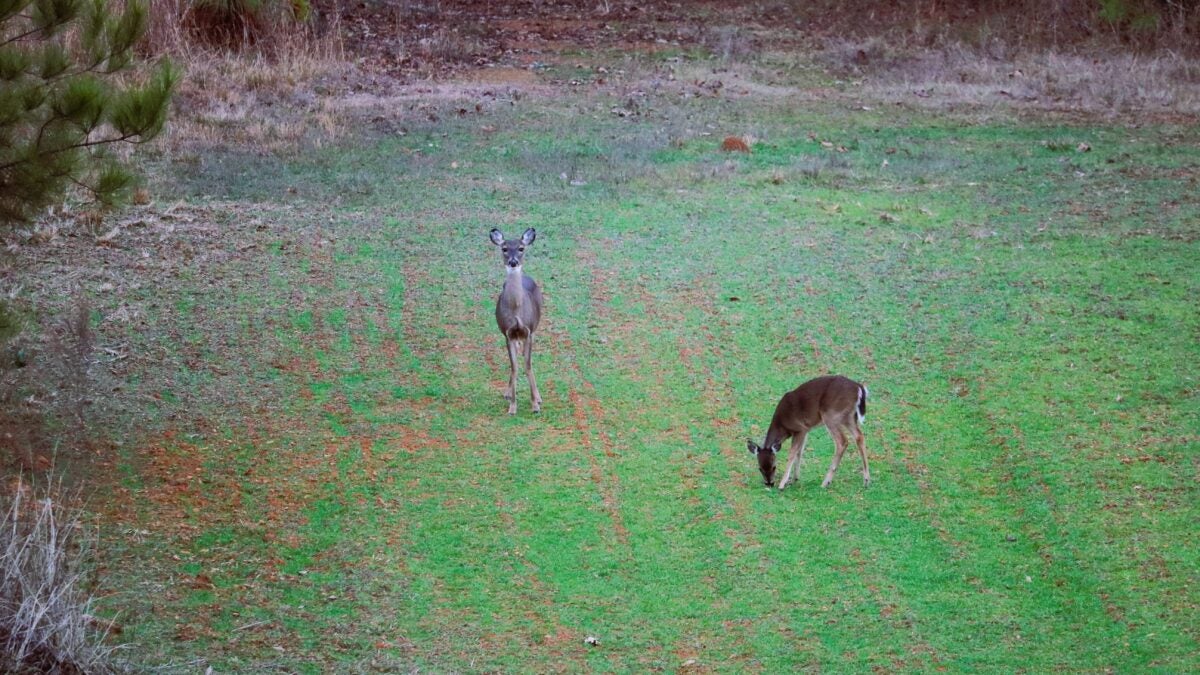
514,288
775,434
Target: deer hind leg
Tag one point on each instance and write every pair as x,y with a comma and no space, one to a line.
533,390
840,442
795,457
510,394
862,451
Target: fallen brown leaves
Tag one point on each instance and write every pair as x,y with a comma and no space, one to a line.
734,144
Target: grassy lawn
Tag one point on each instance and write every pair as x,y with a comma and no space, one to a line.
331,483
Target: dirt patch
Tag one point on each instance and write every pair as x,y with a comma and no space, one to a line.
692,347
601,290
179,485
503,75
191,486
587,411
929,501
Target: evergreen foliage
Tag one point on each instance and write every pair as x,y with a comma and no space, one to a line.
65,103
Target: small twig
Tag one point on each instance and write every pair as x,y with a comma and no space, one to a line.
250,625
174,666
116,355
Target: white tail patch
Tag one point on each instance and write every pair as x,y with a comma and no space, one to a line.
862,396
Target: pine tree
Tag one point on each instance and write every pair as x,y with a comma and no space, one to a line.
67,101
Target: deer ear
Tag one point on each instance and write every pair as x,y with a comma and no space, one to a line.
529,236
775,448
752,446
496,236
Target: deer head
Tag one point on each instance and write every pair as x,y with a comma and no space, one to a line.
512,251
766,459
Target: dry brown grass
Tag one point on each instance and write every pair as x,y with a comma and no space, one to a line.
261,93
256,104
1024,25
165,33
1105,84
46,619
257,101
1071,55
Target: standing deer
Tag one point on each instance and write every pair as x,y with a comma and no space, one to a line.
835,401
518,310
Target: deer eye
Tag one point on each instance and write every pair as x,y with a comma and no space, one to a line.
521,248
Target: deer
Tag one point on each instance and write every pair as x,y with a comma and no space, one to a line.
518,311
835,401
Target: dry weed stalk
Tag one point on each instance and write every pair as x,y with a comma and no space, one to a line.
46,620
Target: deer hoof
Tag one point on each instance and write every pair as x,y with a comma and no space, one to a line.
512,409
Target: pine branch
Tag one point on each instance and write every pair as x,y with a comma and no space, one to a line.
22,36
48,29
92,69
126,138
63,106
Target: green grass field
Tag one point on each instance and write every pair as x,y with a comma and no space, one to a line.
333,484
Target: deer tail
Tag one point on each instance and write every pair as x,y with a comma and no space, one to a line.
862,404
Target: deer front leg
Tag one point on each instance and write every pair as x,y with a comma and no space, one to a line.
839,440
862,451
533,390
510,394
795,457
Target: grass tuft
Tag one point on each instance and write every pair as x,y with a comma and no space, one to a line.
47,623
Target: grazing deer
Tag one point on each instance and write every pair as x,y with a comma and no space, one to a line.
518,310
835,401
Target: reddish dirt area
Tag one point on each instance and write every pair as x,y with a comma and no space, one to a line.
588,413
189,488
691,350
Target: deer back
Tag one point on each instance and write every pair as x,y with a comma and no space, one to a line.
817,401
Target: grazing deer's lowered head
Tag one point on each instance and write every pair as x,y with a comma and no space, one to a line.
835,401
766,459
518,312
